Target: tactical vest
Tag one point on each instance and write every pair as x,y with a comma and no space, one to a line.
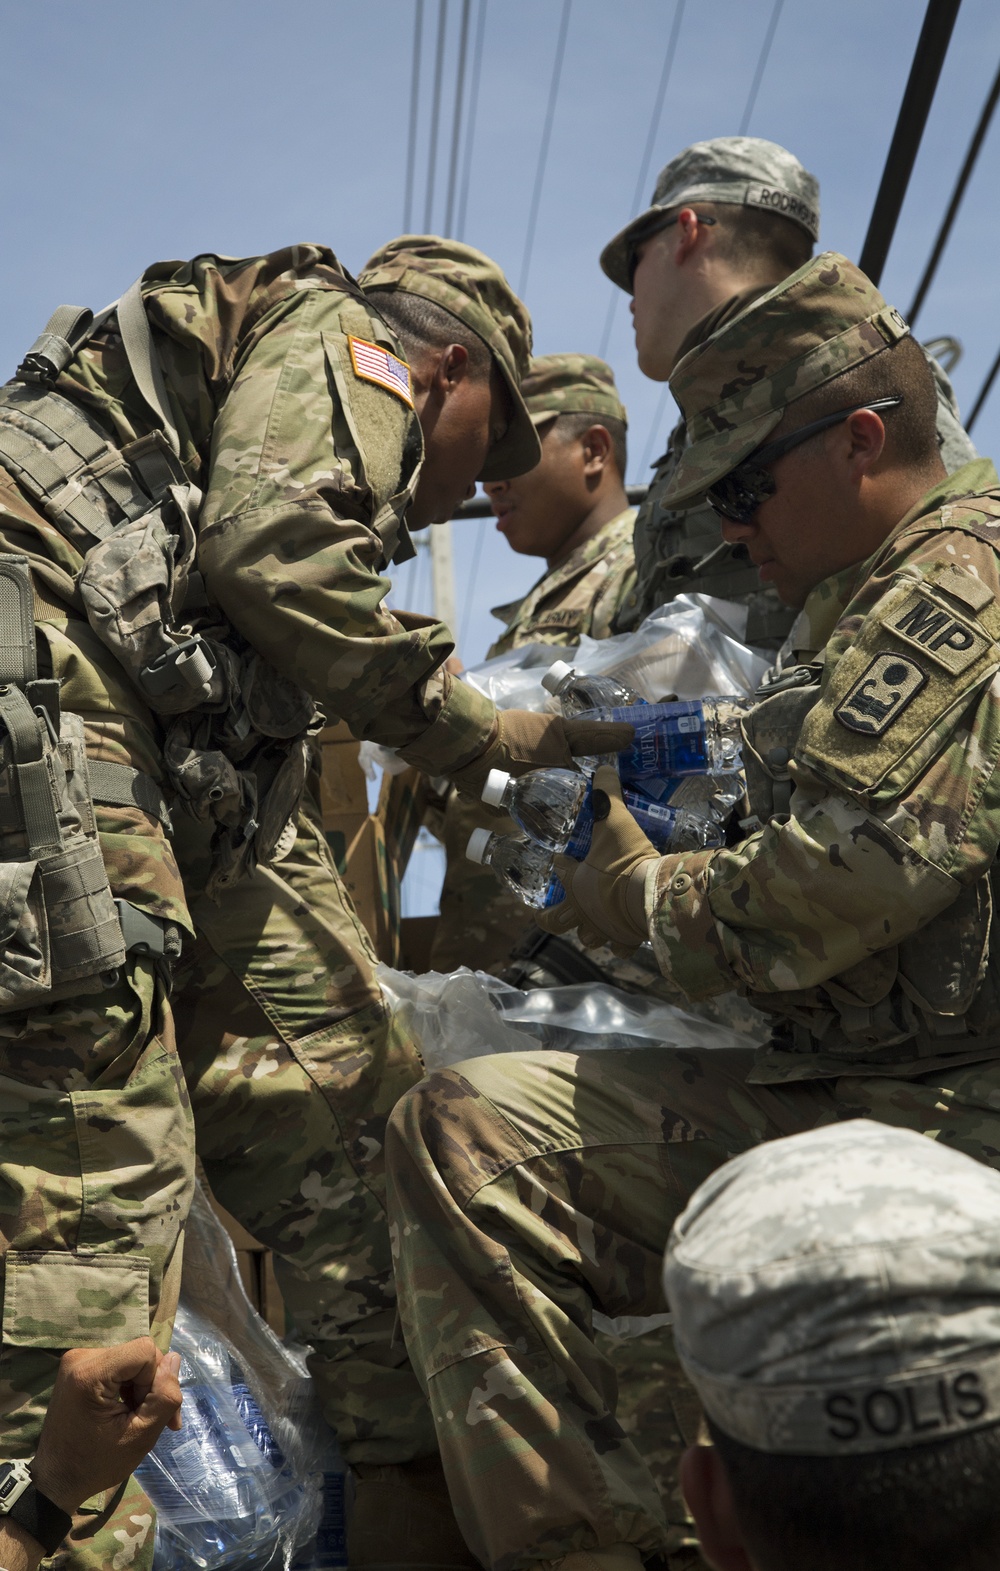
237,734
935,993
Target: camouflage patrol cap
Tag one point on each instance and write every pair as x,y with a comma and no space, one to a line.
745,171
734,388
570,385
472,287
838,1292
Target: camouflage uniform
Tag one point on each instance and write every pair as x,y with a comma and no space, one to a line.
679,549
480,921
295,417
527,1192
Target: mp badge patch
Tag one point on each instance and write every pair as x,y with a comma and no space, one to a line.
880,696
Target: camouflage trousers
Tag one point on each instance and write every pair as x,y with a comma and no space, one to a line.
293,1065
96,1171
529,1190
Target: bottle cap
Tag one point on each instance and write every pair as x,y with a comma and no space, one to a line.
558,671
478,841
497,782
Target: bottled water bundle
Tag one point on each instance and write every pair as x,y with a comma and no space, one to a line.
253,1480
680,779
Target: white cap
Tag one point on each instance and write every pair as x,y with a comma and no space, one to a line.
558,671
478,841
497,782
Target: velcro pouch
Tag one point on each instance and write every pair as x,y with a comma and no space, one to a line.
923,653
53,1299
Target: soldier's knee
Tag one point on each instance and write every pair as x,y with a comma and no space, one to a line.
416,1117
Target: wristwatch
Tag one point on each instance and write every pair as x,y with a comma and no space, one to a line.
29,1508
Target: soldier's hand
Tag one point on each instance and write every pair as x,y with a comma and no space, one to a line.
107,1409
524,740
605,895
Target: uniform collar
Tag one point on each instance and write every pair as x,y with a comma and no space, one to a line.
583,557
829,600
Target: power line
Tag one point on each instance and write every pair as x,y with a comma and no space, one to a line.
477,63
456,125
944,233
758,75
928,58
435,114
411,150
984,393
543,151
647,156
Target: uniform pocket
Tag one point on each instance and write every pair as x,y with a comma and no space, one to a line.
57,1300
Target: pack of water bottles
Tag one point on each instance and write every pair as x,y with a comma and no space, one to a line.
680,778
252,1479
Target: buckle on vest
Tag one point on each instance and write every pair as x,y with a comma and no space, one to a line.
47,357
188,665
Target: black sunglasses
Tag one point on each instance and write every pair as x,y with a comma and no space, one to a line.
738,494
633,257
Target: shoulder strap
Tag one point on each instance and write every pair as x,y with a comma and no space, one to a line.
137,340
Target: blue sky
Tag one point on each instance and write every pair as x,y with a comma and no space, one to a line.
136,132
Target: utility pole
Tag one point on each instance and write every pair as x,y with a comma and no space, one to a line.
442,575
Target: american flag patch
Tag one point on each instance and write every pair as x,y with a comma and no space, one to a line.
374,364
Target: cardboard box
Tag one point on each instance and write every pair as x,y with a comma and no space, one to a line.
415,941
342,784
256,1266
358,845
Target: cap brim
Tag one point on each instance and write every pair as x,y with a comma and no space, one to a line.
615,257
706,461
519,448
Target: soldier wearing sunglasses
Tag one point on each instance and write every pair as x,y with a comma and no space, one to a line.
730,219
532,1191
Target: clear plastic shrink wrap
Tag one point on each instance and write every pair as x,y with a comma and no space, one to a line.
243,1483
466,1014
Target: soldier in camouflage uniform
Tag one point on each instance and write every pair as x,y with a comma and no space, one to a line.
275,386
571,509
529,1191
836,1299
729,219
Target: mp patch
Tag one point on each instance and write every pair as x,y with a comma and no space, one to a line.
949,639
890,683
372,363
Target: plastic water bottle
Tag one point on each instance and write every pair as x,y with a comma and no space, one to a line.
525,867
554,808
579,694
687,737
329,1548
545,803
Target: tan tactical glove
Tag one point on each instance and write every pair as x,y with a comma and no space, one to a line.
524,740
606,894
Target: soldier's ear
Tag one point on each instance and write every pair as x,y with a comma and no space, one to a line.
710,1500
452,367
597,449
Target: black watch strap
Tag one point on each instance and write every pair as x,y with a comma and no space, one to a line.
40,1517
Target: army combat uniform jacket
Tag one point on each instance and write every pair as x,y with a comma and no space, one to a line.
860,914
480,921
580,596
294,419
